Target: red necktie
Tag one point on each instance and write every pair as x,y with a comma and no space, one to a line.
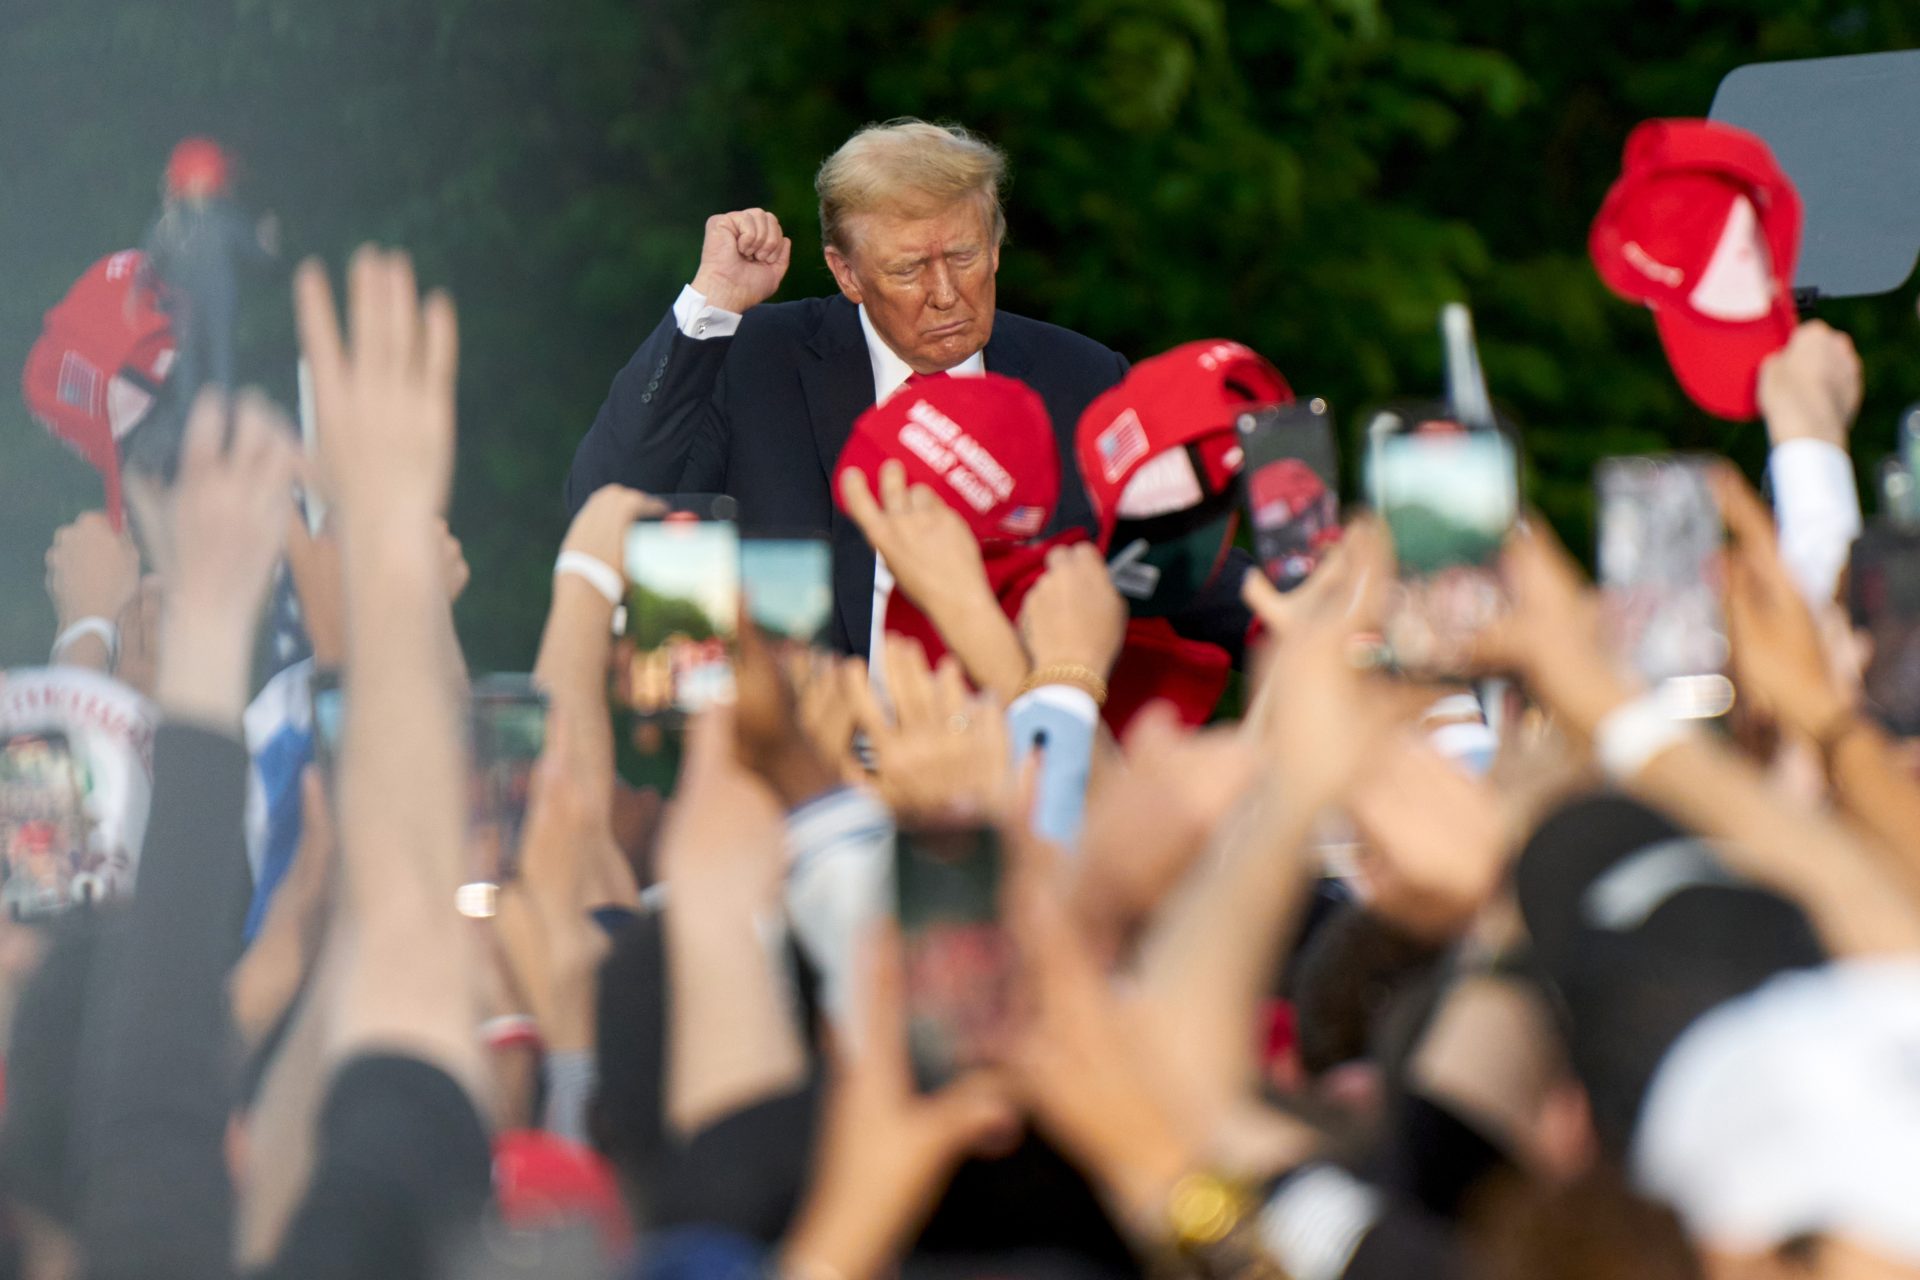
915,379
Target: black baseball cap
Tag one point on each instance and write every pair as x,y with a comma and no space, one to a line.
1639,928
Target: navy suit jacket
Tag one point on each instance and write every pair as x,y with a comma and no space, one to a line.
761,416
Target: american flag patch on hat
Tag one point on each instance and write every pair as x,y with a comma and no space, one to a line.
1122,444
79,382
1023,522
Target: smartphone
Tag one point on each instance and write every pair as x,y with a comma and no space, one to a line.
1884,596
508,727
44,857
959,959
1292,488
683,607
1661,571
1449,497
788,580
329,715
675,659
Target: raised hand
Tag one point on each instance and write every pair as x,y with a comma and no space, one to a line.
1073,616
1436,842
742,260
1319,713
1552,634
1778,657
1079,1070
942,756
92,570
1811,388
886,1151
229,524
927,545
385,397
936,561
768,737
600,528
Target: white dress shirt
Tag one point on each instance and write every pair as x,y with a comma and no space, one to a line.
698,320
1819,512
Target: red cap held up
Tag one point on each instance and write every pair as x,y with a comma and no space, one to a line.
1703,227
102,355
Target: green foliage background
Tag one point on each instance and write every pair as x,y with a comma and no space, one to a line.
1313,177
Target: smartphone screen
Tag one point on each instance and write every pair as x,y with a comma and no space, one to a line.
958,955
509,732
1884,593
1660,579
683,606
675,658
1292,488
43,827
789,586
1449,497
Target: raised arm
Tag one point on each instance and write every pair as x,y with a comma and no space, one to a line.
159,1203
662,403
1857,903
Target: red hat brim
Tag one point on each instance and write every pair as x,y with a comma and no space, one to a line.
1718,362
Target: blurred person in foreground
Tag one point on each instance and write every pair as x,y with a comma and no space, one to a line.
732,394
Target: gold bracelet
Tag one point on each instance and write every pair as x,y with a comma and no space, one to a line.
1077,674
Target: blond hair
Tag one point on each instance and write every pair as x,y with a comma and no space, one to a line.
908,166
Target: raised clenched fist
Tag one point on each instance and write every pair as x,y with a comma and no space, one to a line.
742,260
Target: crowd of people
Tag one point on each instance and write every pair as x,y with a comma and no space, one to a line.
1500,971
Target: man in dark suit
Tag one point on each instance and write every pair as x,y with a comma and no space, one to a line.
731,394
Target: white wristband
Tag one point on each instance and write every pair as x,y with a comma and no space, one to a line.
1632,734
96,626
598,574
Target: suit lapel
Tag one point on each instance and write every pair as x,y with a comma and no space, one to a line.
838,382
838,386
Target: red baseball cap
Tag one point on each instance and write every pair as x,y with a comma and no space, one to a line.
1156,664
1703,227
102,355
199,167
542,1180
1193,394
984,444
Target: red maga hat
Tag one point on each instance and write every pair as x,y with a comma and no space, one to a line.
1193,394
1703,227
101,358
199,167
984,444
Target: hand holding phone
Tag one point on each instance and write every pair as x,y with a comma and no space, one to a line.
675,659
508,727
1449,497
1292,488
959,958
1661,572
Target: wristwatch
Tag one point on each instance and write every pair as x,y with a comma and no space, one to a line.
1210,1232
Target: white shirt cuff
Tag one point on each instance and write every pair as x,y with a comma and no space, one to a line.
1819,512
698,320
1071,699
